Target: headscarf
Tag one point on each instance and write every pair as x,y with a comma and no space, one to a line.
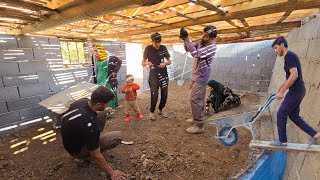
217,87
102,54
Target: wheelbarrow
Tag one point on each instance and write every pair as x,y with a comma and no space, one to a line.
226,126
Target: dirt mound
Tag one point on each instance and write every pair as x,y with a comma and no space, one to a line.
250,98
161,150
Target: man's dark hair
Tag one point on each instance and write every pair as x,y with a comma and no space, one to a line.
156,37
211,30
101,95
280,40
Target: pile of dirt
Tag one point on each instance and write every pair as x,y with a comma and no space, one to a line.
161,150
250,98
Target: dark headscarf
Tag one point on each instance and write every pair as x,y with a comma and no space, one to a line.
217,87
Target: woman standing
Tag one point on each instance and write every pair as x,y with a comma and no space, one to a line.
102,63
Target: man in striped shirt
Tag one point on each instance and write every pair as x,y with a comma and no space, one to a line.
203,52
81,128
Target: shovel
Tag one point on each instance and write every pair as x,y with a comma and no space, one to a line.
181,81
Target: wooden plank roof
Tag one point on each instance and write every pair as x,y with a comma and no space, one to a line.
134,21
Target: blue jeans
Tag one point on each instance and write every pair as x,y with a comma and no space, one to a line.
291,107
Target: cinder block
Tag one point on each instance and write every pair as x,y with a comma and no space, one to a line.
9,68
17,54
264,83
264,89
19,79
266,77
254,83
309,30
230,75
45,96
225,68
33,41
34,112
8,41
243,76
8,93
300,48
52,54
3,107
8,118
23,103
256,77
33,67
33,90
54,41
255,89
245,88
253,70
313,50
238,69
56,87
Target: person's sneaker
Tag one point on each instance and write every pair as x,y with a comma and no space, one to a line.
277,143
163,114
127,119
314,140
190,121
139,115
152,117
195,130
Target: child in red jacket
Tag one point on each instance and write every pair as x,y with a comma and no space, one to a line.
130,89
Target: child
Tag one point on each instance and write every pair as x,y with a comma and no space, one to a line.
221,97
130,89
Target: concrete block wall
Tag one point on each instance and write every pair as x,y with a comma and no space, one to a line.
304,41
31,70
242,66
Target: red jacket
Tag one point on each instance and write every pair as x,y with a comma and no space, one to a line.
131,95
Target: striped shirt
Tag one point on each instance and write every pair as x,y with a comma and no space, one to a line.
203,58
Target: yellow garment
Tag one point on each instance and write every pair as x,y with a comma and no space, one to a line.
102,54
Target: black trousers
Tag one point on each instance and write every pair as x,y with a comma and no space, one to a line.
156,81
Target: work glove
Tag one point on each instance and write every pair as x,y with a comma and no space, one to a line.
183,33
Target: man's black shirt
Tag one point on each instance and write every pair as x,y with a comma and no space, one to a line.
80,127
156,56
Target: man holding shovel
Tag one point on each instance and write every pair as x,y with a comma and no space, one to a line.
203,52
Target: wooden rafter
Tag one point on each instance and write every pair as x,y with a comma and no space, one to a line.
26,5
244,13
209,5
284,17
13,14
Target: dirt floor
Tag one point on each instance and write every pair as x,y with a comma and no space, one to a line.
161,150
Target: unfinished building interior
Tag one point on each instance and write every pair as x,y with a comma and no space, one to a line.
46,48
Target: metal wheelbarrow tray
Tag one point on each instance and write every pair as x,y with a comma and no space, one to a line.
228,134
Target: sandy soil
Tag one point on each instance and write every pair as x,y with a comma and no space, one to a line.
161,150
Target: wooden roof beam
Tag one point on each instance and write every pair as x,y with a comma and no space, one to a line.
244,12
26,5
83,11
209,5
284,17
8,14
225,3
140,18
185,16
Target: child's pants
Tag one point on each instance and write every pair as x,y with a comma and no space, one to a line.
133,105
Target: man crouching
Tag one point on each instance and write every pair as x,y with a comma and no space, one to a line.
81,128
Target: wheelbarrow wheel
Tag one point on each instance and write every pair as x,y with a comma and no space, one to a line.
231,139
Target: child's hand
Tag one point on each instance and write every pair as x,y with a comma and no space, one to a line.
129,89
